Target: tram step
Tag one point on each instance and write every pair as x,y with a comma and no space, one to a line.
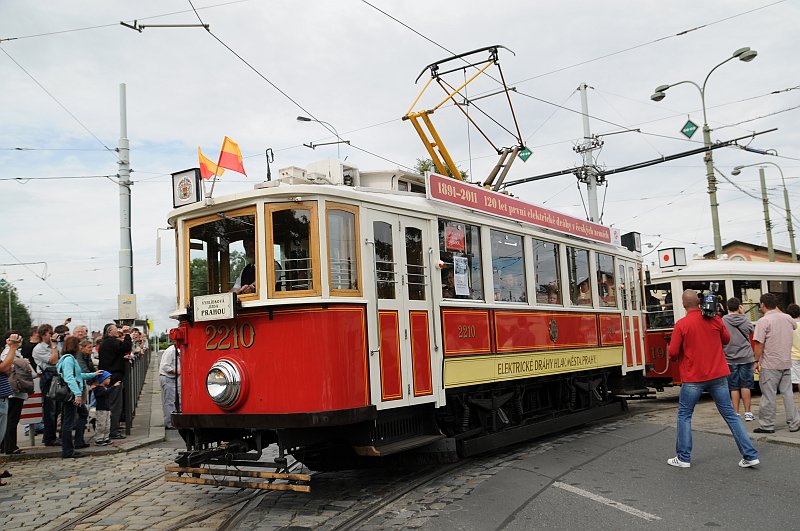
397,446
289,481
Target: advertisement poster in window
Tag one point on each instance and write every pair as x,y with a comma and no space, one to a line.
460,275
454,238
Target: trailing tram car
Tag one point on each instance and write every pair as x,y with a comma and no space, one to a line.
744,280
345,316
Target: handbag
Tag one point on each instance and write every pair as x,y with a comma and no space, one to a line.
21,378
59,390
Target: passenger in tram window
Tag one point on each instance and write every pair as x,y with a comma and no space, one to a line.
510,289
584,294
246,283
448,284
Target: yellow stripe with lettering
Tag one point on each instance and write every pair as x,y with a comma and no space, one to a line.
501,367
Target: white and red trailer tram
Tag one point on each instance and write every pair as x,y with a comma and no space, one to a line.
382,311
744,280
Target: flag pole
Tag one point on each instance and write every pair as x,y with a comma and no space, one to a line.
216,171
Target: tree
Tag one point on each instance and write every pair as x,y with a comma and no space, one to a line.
424,165
20,315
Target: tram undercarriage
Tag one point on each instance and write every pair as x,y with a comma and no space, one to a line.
476,419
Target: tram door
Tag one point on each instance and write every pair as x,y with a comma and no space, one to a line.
400,323
632,323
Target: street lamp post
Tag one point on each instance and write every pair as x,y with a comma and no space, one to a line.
738,169
743,54
338,138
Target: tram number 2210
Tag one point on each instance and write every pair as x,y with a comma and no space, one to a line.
224,337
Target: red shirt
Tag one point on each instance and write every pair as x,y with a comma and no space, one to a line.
697,344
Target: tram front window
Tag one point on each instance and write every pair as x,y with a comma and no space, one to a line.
222,254
784,290
702,287
508,267
749,292
291,245
460,251
658,306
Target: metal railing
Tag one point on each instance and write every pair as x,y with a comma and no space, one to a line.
135,374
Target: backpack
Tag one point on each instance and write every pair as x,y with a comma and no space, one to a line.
21,379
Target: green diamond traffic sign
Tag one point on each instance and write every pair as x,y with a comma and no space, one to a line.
525,154
689,128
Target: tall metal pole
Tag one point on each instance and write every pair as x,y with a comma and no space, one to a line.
765,200
712,186
789,224
588,164
125,242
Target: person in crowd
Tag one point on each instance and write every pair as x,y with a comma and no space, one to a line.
27,346
794,312
70,371
96,351
168,371
101,390
84,359
773,353
697,344
114,354
46,356
17,398
739,355
136,340
81,332
13,342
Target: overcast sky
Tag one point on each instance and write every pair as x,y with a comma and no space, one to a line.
349,64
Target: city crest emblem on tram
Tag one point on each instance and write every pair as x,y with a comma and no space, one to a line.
553,330
185,186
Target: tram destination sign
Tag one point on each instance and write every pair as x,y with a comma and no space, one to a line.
449,190
214,307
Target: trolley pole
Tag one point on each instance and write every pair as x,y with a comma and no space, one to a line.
586,148
765,200
125,243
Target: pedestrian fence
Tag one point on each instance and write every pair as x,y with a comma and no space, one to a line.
135,374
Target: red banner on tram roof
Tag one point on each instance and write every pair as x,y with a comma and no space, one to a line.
456,192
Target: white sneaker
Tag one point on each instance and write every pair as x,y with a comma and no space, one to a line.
748,416
744,463
681,464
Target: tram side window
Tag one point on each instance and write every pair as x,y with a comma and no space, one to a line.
508,267
580,290
606,286
384,260
784,290
343,260
658,306
415,265
749,292
294,249
548,278
222,255
460,251
702,286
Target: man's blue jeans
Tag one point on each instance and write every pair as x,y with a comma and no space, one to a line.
690,395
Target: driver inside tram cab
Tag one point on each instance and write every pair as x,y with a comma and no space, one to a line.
246,283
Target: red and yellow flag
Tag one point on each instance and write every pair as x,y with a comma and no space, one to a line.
207,168
231,157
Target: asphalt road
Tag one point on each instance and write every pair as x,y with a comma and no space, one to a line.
619,479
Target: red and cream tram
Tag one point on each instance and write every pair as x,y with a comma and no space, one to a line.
744,280
385,311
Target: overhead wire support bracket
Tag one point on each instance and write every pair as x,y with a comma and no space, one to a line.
139,27
577,171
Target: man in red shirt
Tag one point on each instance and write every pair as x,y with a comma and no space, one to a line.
697,344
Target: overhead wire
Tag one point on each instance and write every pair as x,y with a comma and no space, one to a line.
64,107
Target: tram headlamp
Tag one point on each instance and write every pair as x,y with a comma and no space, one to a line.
224,383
